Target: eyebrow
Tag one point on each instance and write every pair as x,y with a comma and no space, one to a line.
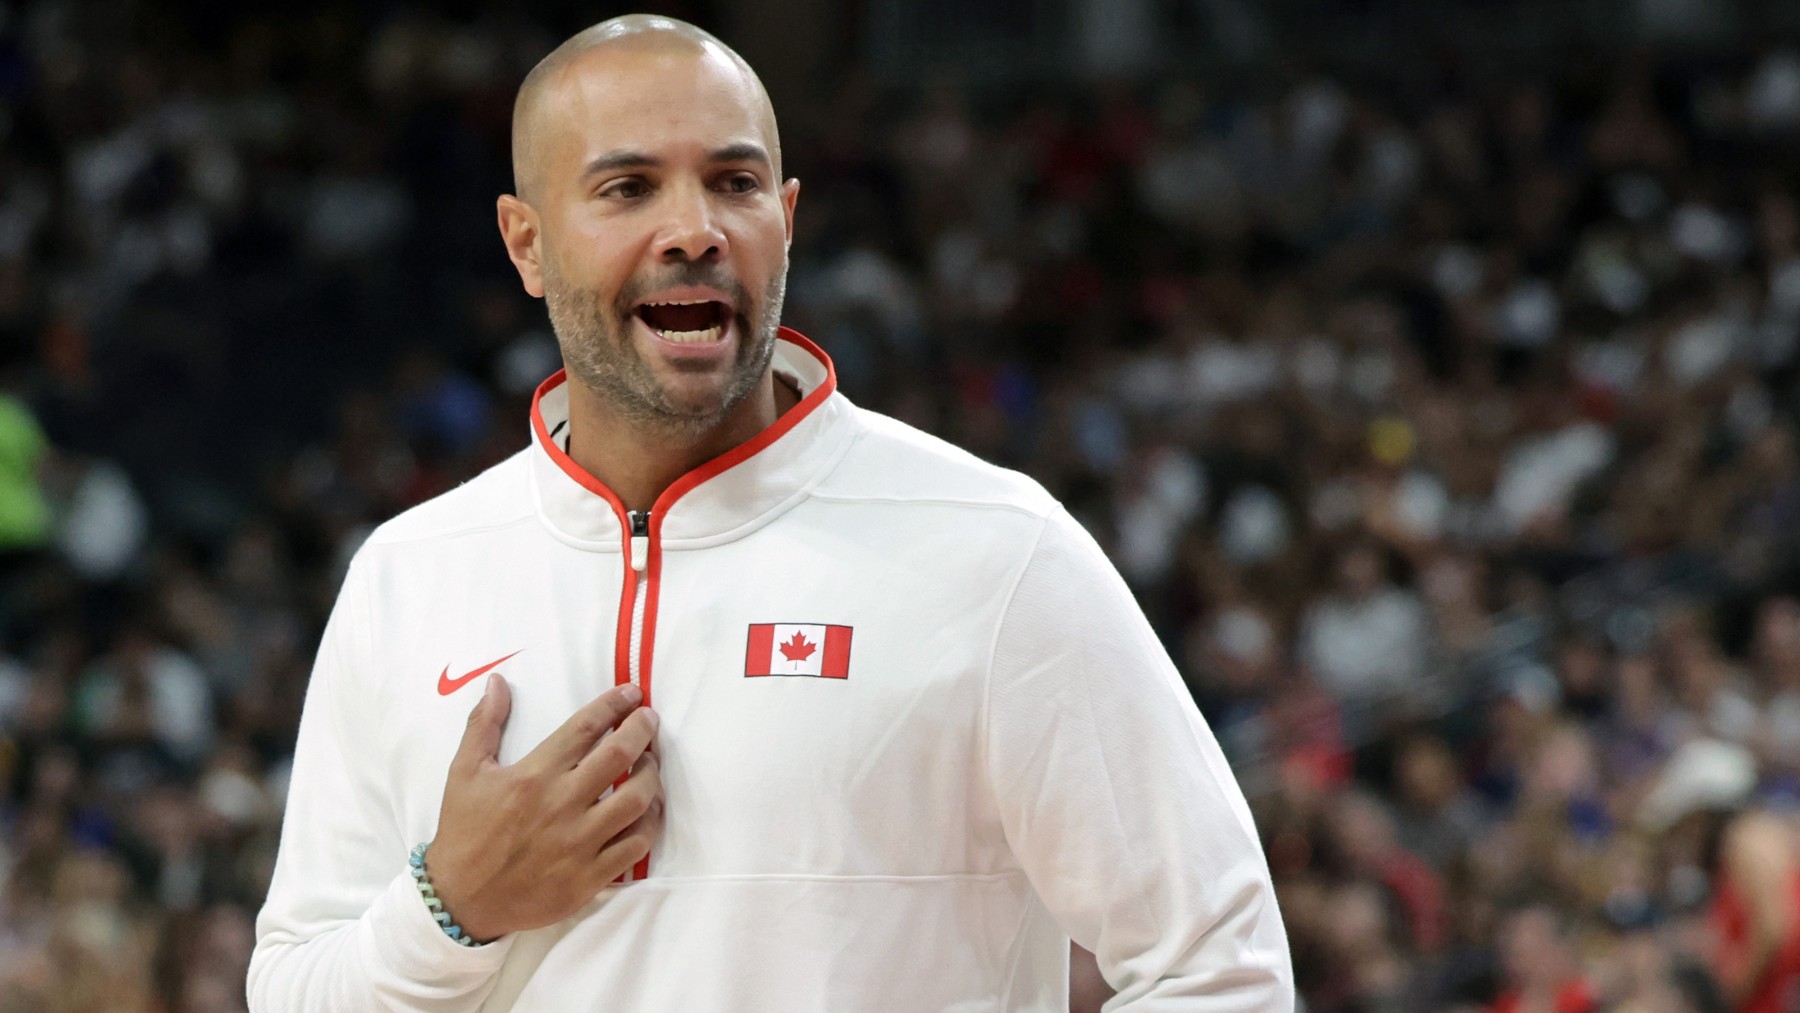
615,160
744,152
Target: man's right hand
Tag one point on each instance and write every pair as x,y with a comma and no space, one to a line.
527,845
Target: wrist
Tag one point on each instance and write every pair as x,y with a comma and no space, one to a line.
441,912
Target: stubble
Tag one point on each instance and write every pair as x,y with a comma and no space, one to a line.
598,350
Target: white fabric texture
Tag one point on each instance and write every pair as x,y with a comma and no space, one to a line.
1010,761
1117,800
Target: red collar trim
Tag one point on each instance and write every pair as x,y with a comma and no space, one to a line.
711,469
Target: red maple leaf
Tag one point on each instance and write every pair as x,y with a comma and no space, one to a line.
797,649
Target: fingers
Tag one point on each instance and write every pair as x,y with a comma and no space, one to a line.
613,756
481,739
625,850
628,803
568,744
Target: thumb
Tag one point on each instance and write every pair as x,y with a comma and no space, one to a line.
481,740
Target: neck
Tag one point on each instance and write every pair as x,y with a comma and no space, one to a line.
638,462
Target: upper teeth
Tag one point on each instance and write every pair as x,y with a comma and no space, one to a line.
683,337
681,302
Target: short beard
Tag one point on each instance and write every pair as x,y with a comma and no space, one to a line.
598,351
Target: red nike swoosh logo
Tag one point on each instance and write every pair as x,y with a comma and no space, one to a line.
447,685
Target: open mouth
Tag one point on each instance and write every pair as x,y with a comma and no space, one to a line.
686,322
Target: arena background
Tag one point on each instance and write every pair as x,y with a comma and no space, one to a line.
1429,368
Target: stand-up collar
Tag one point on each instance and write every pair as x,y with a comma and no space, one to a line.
728,496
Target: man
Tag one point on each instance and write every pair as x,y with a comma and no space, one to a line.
1538,958
1702,806
912,732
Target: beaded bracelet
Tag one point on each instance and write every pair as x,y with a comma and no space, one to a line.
429,892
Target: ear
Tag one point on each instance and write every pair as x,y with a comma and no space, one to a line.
519,231
790,195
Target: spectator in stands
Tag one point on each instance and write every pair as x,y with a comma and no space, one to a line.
1702,803
1541,972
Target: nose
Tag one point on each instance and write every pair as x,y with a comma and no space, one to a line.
692,232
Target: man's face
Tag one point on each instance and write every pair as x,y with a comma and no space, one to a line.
663,231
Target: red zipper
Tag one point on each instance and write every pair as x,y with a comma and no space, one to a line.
627,609
622,673
653,533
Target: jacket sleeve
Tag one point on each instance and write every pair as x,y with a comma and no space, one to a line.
344,929
1116,799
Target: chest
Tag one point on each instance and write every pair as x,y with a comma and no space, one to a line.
821,698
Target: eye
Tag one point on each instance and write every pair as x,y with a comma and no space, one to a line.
742,182
626,189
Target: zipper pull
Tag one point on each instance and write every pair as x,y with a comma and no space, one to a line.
640,538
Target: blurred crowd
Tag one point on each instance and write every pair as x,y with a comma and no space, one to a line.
1444,425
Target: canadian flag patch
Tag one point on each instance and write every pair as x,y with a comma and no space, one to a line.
814,649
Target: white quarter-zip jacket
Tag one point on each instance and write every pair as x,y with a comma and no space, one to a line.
916,734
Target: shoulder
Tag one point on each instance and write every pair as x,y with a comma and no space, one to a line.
894,463
1759,841
496,498
991,514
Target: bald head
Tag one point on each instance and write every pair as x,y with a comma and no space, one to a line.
599,51
653,220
